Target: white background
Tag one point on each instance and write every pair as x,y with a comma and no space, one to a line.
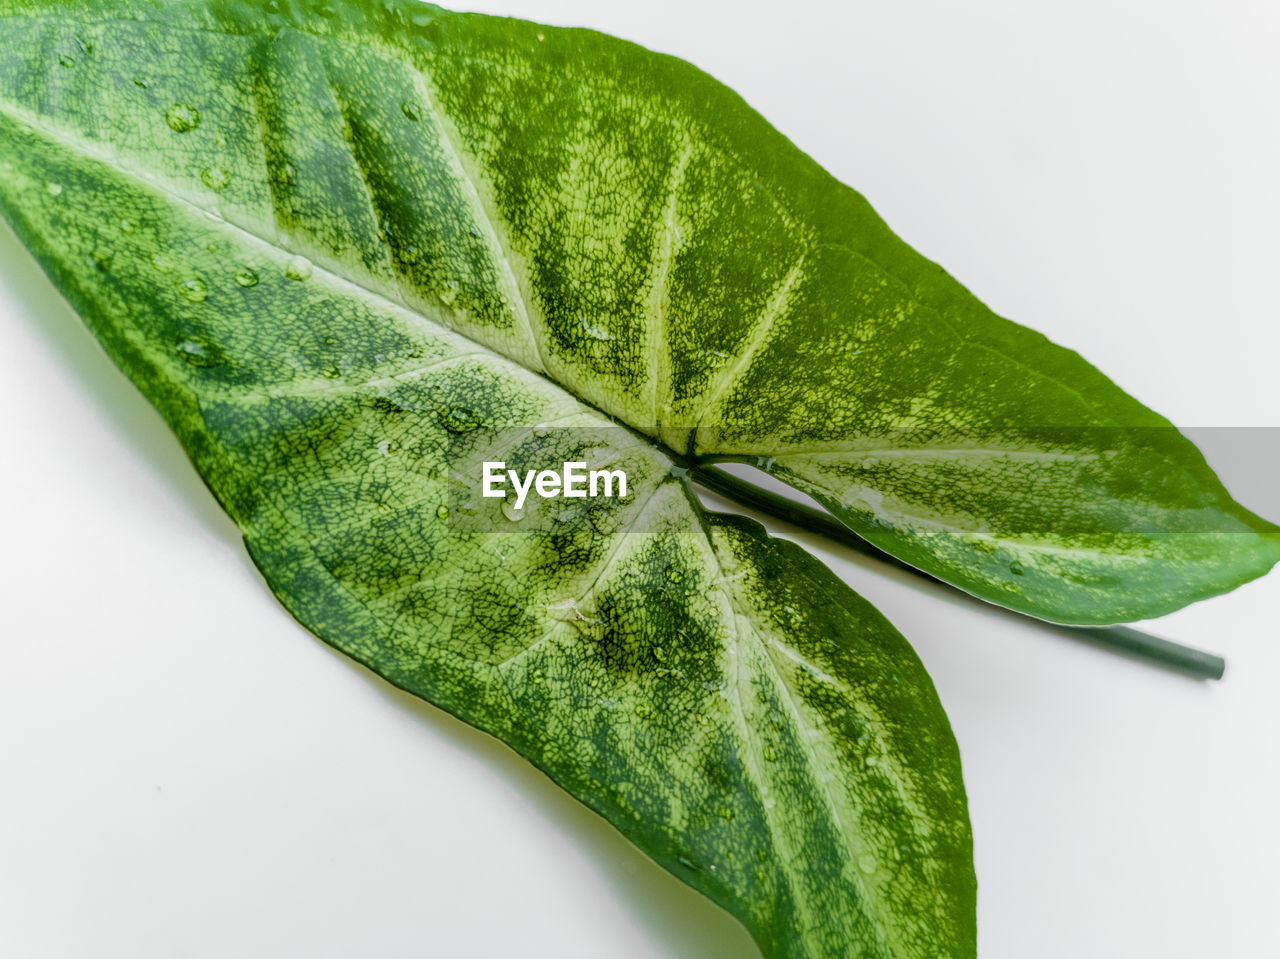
186,772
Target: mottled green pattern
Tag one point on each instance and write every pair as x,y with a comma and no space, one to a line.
351,250
284,239
620,222
694,275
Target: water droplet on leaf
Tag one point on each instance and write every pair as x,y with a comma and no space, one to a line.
458,419
411,110
246,277
510,512
66,61
298,268
194,289
442,512
785,616
593,329
182,117
199,353
54,188
215,177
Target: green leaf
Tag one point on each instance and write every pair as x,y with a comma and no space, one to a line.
622,223
276,229
351,251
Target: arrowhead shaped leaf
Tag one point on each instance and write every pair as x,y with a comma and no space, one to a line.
276,231
351,251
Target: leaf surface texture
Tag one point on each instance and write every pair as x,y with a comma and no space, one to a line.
352,251
277,227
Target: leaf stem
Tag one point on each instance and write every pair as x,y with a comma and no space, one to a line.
1121,639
